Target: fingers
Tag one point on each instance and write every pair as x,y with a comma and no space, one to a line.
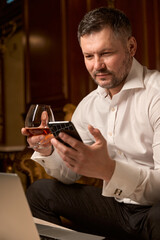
61,146
45,151
44,119
68,154
88,160
96,134
72,156
34,140
25,132
64,150
74,143
46,139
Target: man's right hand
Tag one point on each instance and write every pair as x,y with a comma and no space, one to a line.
40,143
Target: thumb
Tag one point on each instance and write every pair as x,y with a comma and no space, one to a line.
96,134
44,119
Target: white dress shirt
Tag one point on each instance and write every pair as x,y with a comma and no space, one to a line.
130,123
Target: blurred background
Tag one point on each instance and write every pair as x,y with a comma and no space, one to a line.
41,61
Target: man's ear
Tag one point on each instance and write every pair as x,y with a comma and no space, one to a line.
132,45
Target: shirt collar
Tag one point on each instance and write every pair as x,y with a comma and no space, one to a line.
135,76
133,80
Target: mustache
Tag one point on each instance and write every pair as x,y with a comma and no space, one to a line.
102,71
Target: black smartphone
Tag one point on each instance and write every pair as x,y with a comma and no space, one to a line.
66,127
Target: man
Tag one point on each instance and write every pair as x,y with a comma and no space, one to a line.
120,126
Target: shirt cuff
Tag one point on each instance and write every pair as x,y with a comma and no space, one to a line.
55,167
52,161
123,182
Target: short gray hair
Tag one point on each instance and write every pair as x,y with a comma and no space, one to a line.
99,18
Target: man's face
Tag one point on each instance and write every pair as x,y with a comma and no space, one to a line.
107,58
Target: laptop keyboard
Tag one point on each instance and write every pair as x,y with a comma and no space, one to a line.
48,238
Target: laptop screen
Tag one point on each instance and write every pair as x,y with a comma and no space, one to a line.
16,221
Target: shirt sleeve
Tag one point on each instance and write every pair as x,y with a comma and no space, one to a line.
141,185
117,186
55,167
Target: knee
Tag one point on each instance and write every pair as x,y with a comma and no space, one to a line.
38,191
34,190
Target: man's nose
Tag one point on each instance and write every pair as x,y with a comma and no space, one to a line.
99,64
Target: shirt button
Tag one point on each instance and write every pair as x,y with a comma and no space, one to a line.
113,109
43,161
119,152
110,134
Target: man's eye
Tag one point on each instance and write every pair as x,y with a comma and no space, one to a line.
106,53
88,56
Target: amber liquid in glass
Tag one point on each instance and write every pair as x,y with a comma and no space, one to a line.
38,130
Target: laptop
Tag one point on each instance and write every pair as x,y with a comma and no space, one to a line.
16,221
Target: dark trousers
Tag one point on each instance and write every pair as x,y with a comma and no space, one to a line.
91,212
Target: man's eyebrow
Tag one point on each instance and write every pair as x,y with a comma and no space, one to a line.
86,53
101,51
106,50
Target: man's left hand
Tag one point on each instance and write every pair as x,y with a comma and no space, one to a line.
86,160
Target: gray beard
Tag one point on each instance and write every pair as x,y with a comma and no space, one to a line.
115,79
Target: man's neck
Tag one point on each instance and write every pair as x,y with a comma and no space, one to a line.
113,91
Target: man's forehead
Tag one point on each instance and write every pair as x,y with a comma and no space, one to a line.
106,31
101,40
